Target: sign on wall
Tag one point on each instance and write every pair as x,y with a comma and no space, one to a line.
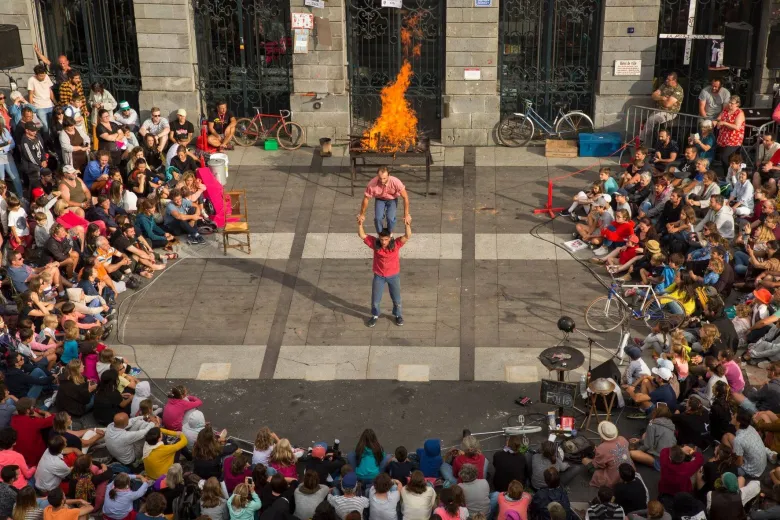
392,3
472,74
301,43
483,3
302,21
628,67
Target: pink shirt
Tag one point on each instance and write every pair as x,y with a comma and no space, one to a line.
14,458
173,412
734,376
389,191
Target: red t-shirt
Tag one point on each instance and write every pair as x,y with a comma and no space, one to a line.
629,253
29,441
676,478
386,261
477,461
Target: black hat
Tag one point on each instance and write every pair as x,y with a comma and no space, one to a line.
29,125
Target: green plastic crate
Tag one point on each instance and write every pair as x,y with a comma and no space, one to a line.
271,144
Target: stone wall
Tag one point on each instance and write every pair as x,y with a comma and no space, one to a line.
17,12
768,77
166,51
472,41
322,71
614,94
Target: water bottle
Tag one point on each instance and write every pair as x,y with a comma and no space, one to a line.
583,381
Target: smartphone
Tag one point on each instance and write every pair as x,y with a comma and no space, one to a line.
250,481
696,136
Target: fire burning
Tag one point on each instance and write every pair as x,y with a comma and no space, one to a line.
395,130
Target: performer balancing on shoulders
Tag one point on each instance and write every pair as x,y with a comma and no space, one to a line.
385,189
387,268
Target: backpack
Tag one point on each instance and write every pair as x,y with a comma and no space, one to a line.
575,449
187,505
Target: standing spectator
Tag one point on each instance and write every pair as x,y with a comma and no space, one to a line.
767,167
731,131
72,88
510,464
75,145
712,99
668,99
28,425
7,163
5,115
60,69
677,465
221,127
157,126
612,453
33,155
127,116
100,99
39,87
182,130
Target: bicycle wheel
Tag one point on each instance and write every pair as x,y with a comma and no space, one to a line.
654,315
573,124
605,314
290,136
516,130
247,132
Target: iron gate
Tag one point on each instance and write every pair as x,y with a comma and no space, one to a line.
376,54
244,54
99,39
548,52
710,18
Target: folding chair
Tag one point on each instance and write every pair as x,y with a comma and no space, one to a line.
237,222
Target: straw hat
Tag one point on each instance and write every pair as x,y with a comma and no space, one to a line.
607,431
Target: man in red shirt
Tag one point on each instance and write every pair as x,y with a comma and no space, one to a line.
385,189
28,425
678,464
387,268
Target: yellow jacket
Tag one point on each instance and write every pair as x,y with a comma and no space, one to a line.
157,462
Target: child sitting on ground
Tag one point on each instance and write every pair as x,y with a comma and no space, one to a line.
41,233
584,199
126,381
69,312
400,468
70,347
48,334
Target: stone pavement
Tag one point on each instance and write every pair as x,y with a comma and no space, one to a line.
481,294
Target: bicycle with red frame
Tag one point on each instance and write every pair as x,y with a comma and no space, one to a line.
289,135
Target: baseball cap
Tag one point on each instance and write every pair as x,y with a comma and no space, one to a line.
29,125
46,172
69,169
124,105
633,239
622,191
663,373
665,363
349,480
181,112
37,192
634,352
318,451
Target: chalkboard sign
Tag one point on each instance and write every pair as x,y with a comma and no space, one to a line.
558,393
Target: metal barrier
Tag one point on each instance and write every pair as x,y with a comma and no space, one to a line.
681,126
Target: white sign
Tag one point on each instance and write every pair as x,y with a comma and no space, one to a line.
472,74
320,4
483,3
301,45
302,21
397,4
628,67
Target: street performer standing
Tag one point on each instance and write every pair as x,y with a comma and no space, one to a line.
385,189
387,268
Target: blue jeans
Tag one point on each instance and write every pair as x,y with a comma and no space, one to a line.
10,169
741,262
378,288
645,206
43,115
674,308
382,209
452,479
35,390
92,318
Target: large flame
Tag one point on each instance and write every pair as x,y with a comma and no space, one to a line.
395,130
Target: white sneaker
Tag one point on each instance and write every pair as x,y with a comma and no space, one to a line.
603,250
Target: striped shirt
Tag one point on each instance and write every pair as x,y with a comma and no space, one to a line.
68,91
345,505
608,511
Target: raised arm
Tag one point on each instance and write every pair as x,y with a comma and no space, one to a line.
408,224
361,231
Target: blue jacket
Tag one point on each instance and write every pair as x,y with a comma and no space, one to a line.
6,137
16,111
668,275
430,458
93,172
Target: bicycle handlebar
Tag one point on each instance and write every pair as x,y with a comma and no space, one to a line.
285,113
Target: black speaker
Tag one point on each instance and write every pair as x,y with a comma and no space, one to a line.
10,47
773,48
737,45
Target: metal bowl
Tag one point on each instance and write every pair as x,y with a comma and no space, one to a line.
601,386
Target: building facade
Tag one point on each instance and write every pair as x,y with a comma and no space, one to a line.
473,61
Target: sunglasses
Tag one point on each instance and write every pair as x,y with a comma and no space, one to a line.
155,115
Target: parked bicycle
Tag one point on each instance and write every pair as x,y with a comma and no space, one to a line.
606,313
289,134
519,128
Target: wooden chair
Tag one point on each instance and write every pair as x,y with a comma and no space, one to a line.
237,222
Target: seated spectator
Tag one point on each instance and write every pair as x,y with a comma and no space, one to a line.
384,497
61,509
21,273
691,424
636,369
548,455
212,503
631,492
182,130
109,401
147,228
236,469
171,486
349,501
221,128
666,151
183,159
12,458
476,490
110,259
158,127
767,397
417,498
125,438
73,191
208,451
155,507
24,379
609,456
747,446
97,171
88,481
605,507
136,248
323,463
277,495
104,211
52,468
127,116
677,465
120,496
244,502
179,401
283,459
431,462
158,457
728,500
600,220
450,508
309,495
551,492
369,457
733,370
59,249
78,439
515,499
655,511
660,435
510,464
741,198
27,506
181,217
662,393
723,461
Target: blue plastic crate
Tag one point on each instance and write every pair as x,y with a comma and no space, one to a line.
600,144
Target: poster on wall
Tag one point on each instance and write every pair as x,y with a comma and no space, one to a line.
716,55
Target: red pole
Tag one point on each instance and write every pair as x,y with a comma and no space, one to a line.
549,207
